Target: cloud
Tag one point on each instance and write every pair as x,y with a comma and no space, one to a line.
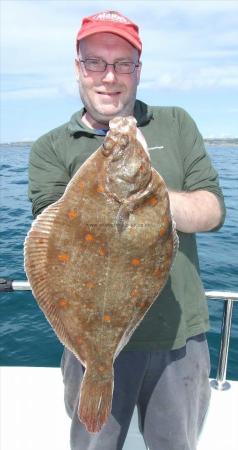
31,93
190,58
185,77
63,89
187,45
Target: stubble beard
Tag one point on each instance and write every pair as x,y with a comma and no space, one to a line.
101,117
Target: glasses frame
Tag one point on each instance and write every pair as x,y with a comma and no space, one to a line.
134,65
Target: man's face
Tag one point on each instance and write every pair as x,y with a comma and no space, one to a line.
107,94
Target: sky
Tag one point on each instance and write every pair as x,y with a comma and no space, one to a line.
190,59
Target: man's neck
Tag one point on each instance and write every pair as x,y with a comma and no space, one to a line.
91,123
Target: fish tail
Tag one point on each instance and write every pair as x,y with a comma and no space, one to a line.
95,401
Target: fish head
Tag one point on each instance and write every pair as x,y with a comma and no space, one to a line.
127,158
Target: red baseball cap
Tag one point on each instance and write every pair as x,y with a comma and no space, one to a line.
111,22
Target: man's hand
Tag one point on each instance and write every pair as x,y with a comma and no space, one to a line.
195,211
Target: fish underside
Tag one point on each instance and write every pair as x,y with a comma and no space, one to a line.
98,258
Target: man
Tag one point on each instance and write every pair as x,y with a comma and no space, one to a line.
164,369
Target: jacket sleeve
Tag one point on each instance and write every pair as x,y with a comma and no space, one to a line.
48,176
199,173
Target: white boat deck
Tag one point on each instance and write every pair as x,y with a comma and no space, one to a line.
32,414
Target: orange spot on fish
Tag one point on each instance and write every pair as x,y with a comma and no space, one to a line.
89,237
72,214
92,273
90,284
162,231
79,340
63,303
153,200
101,368
107,318
135,262
134,292
144,304
102,251
157,271
81,185
63,257
100,188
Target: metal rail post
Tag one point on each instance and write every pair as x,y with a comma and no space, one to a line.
220,382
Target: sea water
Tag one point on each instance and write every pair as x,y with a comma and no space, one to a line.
26,338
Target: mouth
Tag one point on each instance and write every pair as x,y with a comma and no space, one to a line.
109,94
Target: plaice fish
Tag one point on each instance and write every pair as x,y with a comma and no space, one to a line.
98,258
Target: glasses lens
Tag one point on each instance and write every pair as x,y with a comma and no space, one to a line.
98,65
125,67
95,65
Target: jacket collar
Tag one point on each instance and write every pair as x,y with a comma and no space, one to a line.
142,112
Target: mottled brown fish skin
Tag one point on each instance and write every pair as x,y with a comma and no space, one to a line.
98,258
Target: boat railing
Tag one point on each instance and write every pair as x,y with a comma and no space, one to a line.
227,297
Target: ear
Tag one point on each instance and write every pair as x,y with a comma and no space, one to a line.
77,68
138,72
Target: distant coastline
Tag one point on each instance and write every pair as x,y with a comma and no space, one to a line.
218,142
17,144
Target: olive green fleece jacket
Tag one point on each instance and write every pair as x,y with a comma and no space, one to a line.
177,152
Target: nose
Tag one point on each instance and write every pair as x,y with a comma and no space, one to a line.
109,74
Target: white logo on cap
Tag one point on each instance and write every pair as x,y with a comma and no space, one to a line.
111,16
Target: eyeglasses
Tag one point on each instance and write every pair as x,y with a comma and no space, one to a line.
99,65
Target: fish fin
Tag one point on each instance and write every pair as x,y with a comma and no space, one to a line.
35,264
36,248
95,401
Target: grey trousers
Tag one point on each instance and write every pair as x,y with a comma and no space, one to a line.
170,389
